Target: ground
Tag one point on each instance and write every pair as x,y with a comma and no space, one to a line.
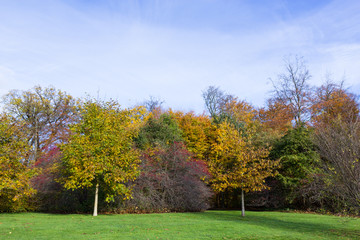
206,225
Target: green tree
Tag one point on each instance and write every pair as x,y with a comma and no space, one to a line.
298,159
159,132
100,151
14,174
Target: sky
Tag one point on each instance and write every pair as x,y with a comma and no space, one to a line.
129,50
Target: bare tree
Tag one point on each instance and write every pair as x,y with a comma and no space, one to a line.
153,103
292,88
339,148
216,101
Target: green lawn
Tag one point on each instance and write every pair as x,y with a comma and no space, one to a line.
207,225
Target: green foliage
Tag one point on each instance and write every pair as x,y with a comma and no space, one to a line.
159,132
14,174
298,158
100,150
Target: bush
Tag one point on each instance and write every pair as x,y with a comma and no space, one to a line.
170,180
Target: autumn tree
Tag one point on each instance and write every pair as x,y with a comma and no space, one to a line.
331,101
15,175
292,88
46,113
237,164
196,131
275,117
100,151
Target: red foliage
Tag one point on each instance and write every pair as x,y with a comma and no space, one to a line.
171,180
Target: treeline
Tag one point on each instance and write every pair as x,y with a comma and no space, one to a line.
301,150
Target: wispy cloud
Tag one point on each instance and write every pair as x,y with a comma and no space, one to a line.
173,49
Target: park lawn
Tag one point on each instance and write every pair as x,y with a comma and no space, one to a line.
205,225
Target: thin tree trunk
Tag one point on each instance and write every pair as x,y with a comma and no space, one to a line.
242,203
96,200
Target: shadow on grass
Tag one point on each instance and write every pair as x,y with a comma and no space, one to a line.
302,225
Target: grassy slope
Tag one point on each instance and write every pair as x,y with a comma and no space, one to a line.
207,225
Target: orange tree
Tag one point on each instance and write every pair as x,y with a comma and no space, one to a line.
331,101
100,151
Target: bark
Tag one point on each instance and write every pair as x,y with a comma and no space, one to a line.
96,200
242,204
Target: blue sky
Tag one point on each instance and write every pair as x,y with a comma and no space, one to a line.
174,49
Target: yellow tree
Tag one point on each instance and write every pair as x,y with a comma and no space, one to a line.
237,164
100,151
14,174
195,131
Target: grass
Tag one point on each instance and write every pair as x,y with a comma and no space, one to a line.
206,225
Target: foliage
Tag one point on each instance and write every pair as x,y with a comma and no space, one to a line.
46,113
158,132
236,163
195,130
100,150
330,102
298,159
14,174
276,117
170,180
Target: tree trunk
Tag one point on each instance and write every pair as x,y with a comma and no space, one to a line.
96,200
242,203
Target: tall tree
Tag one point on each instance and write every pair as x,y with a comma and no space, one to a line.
14,174
292,88
46,113
100,150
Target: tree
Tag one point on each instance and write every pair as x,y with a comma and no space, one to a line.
158,132
331,101
46,113
298,160
292,88
14,174
100,150
153,104
275,117
216,101
195,130
339,147
236,163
